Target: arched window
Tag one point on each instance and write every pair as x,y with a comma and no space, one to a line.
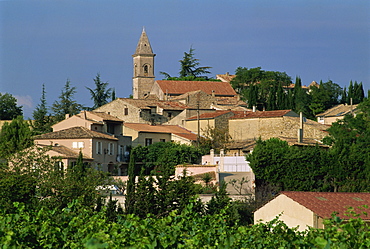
146,70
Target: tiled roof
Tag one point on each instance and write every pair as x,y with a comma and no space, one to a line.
225,77
173,87
75,133
104,116
261,114
173,129
325,203
146,104
230,101
65,152
209,115
338,110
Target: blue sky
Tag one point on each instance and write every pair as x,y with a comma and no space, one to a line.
50,41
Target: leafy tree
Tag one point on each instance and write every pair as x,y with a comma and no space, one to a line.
100,94
8,107
260,88
163,157
214,138
349,139
66,103
14,137
42,121
16,187
190,69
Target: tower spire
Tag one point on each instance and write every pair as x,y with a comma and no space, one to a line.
143,46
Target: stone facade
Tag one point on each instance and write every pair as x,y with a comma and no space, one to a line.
244,129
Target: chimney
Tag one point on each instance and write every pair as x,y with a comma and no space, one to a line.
67,116
213,93
300,130
254,108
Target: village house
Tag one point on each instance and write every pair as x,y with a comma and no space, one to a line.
212,120
103,148
97,135
147,111
336,113
145,134
309,209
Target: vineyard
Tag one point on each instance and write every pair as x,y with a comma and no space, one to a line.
78,227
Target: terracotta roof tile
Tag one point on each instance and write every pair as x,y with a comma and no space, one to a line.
75,132
65,152
338,110
210,115
104,116
325,203
173,87
225,77
174,129
146,104
261,114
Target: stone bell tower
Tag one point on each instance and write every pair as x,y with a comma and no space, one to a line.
143,79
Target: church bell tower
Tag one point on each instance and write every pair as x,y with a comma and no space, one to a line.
143,79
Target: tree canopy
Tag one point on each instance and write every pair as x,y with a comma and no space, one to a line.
14,137
66,103
101,94
189,68
8,107
345,166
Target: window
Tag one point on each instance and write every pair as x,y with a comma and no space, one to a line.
153,110
110,128
162,140
99,147
148,141
59,166
77,145
126,111
169,115
111,149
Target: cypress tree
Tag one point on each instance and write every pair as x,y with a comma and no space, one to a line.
42,121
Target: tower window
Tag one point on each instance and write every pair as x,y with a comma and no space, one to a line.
146,70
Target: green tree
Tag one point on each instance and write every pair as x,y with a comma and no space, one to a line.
42,120
66,103
261,88
100,94
349,139
214,138
14,137
190,69
8,107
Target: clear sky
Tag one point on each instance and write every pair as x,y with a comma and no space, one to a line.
50,41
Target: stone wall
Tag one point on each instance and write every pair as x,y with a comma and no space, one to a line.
243,129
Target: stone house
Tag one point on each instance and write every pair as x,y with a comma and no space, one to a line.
145,134
168,89
215,119
147,111
309,209
268,124
92,120
336,113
